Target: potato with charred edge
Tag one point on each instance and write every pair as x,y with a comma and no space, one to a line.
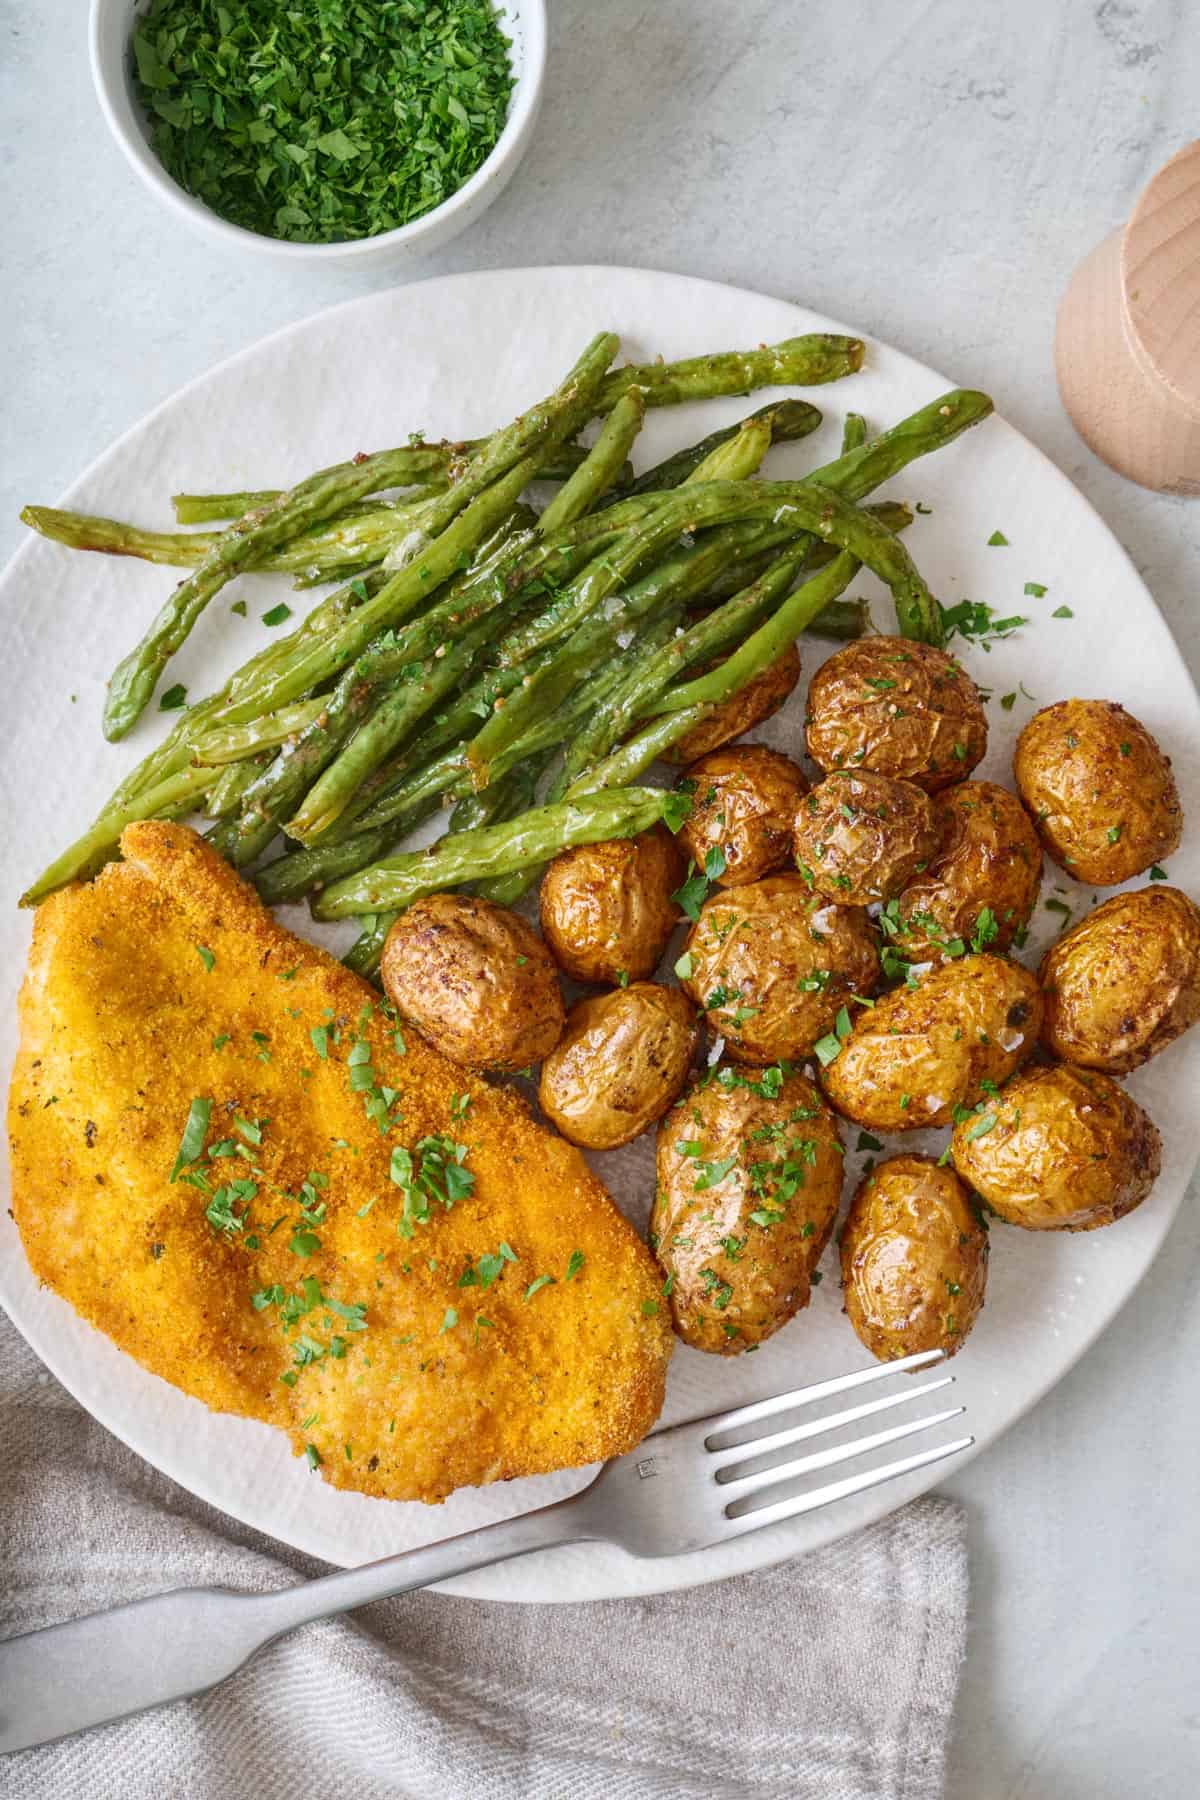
1125,982
981,887
1100,790
732,718
476,981
922,1054
903,708
743,803
914,1259
749,1179
607,909
619,1065
860,836
772,964
1059,1150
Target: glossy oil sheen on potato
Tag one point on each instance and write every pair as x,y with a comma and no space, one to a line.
903,708
744,800
1100,789
1060,1150
1125,982
620,1063
750,1174
772,964
983,881
920,1052
914,1259
607,909
860,836
475,979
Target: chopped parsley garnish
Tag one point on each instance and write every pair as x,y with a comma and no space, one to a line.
174,698
275,615
977,622
194,1133
987,930
433,1170
1062,612
982,1126
575,1262
1008,701
535,1287
1157,874
1035,590
997,538
827,1049
677,809
206,957
691,896
715,864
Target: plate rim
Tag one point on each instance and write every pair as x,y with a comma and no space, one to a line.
772,1543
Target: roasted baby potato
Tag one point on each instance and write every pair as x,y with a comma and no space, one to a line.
982,885
475,979
743,802
899,707
772,963
607,909
1125,982
921,1054
1059,1150
749,1179
860,836
620,1063
914,1259
742,711
1100,790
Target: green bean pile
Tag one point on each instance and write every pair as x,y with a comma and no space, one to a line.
478,653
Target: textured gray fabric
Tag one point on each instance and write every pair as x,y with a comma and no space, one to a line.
833,1677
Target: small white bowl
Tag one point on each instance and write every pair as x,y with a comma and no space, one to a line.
524,21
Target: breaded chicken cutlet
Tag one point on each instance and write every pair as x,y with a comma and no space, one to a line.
356,1229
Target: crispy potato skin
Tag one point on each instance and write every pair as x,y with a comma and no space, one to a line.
121,1022
1125,982
606,909
860,836
902,708
969,1021
914,1259
758,944
1070,1151
743,801
622,1061
741,712
1086,769
988,856
476,980
735,1280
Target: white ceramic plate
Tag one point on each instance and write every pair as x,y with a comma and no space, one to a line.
459,356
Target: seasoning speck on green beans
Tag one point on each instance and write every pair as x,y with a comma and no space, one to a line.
326,120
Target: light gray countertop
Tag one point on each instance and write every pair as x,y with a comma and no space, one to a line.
931,173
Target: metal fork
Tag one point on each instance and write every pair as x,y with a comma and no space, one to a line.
684,1488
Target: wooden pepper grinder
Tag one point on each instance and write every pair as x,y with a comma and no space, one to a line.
1127,348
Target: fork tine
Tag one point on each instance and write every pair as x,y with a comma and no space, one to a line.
720,1423
743,1487
839,1490
795,1434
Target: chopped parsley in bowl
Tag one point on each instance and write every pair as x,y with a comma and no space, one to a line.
322,128
323,121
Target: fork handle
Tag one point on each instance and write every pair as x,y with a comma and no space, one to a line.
107,1665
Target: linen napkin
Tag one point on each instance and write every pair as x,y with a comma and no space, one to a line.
831,1677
